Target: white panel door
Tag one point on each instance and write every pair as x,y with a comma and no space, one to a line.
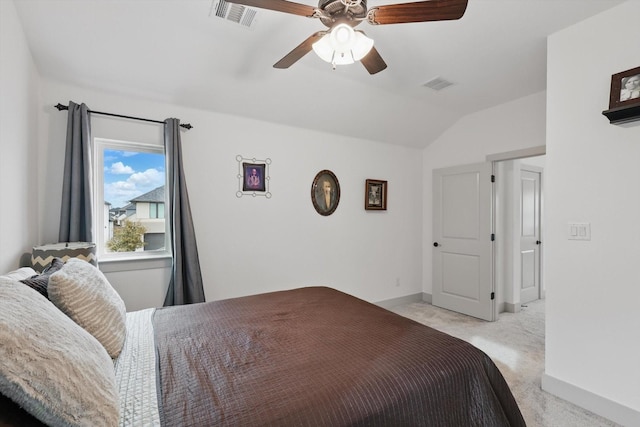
462,249
529,236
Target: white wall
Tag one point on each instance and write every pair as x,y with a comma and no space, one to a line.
18,136
512,126
249,245
593,287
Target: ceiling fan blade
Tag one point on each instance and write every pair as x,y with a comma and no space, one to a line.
279,6
298,52
423,11
373,62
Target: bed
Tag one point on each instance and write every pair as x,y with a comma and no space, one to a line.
312,356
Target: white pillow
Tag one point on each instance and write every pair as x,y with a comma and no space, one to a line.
50,366
82,292
21,273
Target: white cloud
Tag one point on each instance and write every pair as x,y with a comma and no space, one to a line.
119,168
150,177
120,192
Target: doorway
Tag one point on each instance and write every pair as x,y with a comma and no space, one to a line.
488,234
518,207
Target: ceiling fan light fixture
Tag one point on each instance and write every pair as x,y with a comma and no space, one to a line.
323,48
343,45
362,46
342,58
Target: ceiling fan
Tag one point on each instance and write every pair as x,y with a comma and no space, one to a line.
341,44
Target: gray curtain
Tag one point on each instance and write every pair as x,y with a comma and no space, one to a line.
75,213
185,286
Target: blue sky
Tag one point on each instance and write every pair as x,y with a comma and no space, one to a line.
128,174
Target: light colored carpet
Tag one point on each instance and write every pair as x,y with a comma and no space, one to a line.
516,344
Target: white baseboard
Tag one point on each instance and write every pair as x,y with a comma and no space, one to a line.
427,298
407,299
604,407
511,307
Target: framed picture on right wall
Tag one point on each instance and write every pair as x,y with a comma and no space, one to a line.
375,195
625,88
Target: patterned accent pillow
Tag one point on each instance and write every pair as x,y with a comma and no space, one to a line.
50,366
40,282
82,292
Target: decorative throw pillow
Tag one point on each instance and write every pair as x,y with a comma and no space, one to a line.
50,366
82,292
40,282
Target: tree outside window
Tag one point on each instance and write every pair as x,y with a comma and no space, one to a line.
127,238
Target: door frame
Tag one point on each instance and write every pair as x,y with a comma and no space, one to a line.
496,258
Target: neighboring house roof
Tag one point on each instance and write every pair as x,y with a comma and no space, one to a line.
127,207
119,214
155,195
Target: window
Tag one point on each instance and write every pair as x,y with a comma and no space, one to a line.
156,210
129,193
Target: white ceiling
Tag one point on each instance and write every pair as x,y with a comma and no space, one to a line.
174,51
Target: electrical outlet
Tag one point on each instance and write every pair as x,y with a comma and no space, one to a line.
397,282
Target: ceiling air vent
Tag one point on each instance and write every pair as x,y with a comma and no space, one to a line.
437,83
232,12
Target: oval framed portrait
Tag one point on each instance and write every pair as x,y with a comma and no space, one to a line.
325,192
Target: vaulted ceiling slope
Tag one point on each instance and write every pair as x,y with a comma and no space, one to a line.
179,51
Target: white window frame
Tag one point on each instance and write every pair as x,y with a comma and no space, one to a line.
99,145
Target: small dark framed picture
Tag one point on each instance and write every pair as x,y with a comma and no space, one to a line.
375,195
625,89
325,192
254,177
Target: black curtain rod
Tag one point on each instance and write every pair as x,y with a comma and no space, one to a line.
61,107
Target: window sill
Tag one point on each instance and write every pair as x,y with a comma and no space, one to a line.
111,265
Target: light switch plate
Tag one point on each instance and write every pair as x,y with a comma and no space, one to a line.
579,231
